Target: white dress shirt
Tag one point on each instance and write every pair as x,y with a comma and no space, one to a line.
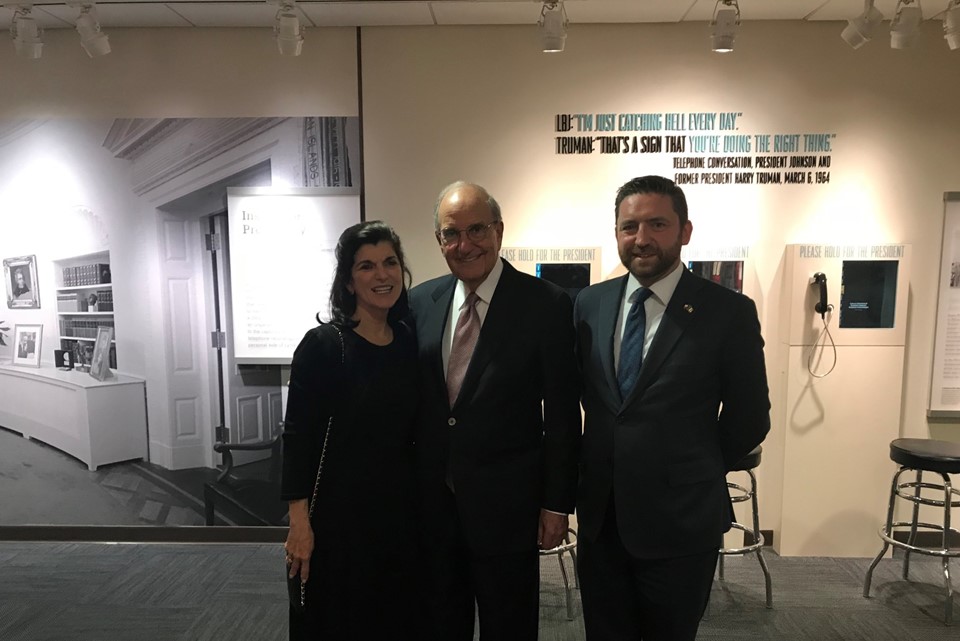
484,293
654,306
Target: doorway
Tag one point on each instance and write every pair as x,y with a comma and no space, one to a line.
212,398
248,407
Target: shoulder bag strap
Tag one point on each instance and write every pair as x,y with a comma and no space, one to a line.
326,435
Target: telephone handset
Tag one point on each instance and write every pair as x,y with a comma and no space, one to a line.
822,307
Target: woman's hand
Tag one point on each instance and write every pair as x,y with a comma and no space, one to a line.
299,545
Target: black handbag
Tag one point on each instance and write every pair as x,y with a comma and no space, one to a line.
296,588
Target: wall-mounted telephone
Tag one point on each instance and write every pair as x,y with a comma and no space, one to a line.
822,307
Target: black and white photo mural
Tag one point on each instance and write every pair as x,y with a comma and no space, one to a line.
146,199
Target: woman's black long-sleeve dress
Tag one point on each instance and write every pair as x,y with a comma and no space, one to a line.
362,572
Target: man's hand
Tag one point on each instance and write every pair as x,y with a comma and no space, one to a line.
553,527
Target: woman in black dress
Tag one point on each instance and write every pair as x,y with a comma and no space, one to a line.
356,553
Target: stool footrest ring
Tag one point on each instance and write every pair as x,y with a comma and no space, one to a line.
913,497
938,552
744,493
757,537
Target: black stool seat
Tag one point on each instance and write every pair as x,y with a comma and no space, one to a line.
749,461
926,454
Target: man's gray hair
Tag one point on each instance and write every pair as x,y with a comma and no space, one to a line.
491,201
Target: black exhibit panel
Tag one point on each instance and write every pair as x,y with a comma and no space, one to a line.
728,273
868,294
571,277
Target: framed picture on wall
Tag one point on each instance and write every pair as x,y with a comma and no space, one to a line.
26,345
20,276
100,361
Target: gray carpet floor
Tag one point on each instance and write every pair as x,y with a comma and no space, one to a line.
103,592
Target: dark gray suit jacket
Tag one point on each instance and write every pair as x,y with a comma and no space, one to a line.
664,451
511,441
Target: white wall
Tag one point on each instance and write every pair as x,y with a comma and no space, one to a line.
479,103
182,73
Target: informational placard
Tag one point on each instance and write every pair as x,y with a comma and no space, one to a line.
570,268
945,384
282,244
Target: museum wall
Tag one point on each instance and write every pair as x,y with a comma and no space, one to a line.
481,104
166,73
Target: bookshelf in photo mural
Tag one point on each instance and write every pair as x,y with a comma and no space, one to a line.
84,303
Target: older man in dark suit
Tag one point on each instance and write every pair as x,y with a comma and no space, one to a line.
498,438
675,393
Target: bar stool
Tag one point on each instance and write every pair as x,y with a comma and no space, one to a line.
569,546
739,494
922,455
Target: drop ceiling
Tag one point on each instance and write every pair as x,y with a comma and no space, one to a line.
369,13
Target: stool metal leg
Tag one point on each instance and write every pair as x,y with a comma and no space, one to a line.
755,544
566,547
566,587
766,578
720,576
913,527
576,571
887,528
756,530
947,498
948,607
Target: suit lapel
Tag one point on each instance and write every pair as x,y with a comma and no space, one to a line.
607,329
676,318
434,325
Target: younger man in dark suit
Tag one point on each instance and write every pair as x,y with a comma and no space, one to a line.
675,393
498,436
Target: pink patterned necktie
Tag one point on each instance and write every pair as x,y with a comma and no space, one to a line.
464,341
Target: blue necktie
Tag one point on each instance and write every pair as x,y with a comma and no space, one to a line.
631,347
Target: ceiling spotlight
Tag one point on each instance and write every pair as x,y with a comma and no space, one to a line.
26,35
287,29
92,39
905,24
553,26
951,25
723,27
859,30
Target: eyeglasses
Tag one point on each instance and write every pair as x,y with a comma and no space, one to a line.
475,233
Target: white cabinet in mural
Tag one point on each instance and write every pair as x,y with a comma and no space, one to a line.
84,303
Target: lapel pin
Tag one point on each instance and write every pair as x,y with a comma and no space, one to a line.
688,309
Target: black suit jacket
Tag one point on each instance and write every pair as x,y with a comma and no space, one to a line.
664,451
511,441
